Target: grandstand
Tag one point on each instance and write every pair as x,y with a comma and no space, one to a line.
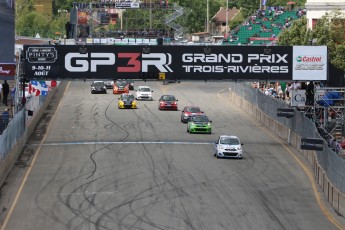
263,27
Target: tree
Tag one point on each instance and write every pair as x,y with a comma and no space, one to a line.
329,31
297,34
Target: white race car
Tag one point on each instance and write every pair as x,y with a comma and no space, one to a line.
143,93
228,147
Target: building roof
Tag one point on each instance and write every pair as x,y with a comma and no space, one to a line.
220,16
31,41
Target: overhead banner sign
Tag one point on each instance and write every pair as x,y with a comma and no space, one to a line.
177,62
310,63
121,4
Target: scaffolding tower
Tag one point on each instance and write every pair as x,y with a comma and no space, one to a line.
328,112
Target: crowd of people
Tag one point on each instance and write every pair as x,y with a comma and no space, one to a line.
5,115
283,91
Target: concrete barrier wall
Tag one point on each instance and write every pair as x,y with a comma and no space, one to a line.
333,195
13,155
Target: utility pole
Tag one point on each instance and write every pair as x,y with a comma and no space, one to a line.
227,18
208,17
150,15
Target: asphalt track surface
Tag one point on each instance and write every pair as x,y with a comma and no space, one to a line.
97,167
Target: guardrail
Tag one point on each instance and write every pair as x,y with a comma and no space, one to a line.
20,128
328,166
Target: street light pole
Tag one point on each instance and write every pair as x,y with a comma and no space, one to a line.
227,18
150,15
208,17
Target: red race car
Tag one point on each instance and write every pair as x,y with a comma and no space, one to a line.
120,87
188,111
167,102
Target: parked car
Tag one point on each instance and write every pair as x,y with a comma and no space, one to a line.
167,102
199,124
228,147
98,87
120,87
127,101
143,93
189,111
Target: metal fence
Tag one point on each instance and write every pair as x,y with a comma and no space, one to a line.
11,134
331,162
17,125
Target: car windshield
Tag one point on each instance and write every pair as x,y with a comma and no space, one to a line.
144,90
121,83
98,83
229,141
193,109
200,119
128,97
168,98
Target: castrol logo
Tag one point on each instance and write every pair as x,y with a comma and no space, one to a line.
309,58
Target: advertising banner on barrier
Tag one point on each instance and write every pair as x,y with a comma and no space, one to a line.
310,63
177,62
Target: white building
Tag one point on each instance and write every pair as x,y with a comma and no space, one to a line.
318,8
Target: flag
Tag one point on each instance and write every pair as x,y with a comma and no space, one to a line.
264,2
38,88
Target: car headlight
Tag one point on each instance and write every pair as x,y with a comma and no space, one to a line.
239,148
209,124
162,102
174,103
220,147
134,102
93,88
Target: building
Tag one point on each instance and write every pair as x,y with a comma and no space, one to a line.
316,9
218,21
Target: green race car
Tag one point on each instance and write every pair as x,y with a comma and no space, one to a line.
199,124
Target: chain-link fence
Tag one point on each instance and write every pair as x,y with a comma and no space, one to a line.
13,130
11,134
304,127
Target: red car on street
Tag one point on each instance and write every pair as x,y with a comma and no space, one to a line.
188,111
167,102
120,87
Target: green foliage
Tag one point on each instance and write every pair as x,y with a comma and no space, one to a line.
236,21
297,34
329,31
193,20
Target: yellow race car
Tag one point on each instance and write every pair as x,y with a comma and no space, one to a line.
127,101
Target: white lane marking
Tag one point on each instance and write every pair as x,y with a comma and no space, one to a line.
124,142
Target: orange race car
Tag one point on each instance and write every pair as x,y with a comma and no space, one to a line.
120,87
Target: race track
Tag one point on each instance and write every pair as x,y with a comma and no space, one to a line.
98,167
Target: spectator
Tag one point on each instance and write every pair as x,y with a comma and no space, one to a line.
5,117
13,92
288,89
0,90
309,92
296,85
6,91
